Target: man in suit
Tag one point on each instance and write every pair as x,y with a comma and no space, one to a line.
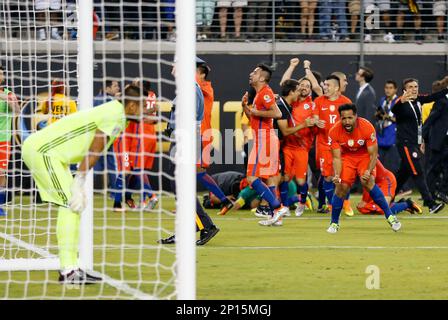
366,97
435,134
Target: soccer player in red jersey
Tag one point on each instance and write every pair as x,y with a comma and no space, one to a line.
326,114
355,152
263,160
386,181
135,150
299,135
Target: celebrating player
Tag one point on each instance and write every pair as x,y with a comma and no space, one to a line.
326,114
355,152
386,181
8,103
135,150
298,136
77,138
263,159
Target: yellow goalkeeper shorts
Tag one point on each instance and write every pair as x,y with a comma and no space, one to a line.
52,176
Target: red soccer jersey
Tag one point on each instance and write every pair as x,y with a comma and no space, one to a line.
303,138
327,110
206,124
264,100
353,143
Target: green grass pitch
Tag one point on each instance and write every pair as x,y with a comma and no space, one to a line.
298,260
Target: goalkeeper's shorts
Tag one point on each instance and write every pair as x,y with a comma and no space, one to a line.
53,177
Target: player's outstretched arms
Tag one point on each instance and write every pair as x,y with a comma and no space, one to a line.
315,86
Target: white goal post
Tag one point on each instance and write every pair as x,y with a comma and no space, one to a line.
42,254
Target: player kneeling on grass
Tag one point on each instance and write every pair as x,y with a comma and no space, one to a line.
77,138
355,152
387,183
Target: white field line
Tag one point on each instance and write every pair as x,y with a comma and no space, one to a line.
120,285
325,247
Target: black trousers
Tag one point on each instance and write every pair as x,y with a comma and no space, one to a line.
437,166
203,220
411,166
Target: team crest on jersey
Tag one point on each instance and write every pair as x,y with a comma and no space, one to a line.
373,137
267,98
306,106
351,143
332,108
361,142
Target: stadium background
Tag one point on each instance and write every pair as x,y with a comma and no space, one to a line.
229,76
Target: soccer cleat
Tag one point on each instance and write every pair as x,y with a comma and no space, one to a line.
278,214
309,202
436,207
262,211
78,277
299,210
169,240
226,207
131,203
279,223
394,223
348,208
149,203
333,228
118,207
441,196
413,207
207,235
323,209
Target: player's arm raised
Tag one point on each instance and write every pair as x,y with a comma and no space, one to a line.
245,105
309,74
288,73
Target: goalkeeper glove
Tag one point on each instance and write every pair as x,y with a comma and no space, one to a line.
77,202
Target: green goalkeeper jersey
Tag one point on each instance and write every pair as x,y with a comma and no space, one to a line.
5,119
69,139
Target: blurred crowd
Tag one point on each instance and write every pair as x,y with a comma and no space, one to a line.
233,20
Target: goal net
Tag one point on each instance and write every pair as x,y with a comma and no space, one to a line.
44,54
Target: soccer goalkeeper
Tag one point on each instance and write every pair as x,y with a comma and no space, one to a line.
78,138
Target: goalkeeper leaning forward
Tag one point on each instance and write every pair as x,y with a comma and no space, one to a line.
78,138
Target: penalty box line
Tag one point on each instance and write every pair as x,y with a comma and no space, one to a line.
119,285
